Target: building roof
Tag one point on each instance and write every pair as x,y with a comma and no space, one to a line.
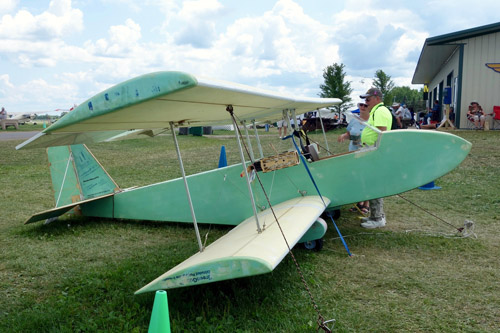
437,50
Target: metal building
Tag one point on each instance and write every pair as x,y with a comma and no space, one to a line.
468,61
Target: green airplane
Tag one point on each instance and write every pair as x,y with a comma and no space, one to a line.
266,226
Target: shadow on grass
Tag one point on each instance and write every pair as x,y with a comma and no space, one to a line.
76,224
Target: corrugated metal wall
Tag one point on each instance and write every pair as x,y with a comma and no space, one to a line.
449,67
480,83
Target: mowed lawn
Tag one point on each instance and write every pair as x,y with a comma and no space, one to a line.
416,275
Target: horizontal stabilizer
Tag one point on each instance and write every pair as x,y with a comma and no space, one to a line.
58,211
243,251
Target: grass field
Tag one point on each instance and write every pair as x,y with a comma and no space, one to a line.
79,274
27,127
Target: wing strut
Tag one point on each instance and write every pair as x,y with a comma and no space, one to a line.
320,321
249,143
258,139
323,130
187,187
229,109
70,158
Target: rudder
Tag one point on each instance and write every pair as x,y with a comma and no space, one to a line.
77,175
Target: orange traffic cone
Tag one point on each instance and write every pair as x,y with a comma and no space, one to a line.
160,320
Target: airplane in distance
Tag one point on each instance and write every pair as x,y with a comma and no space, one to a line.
21,117
275,205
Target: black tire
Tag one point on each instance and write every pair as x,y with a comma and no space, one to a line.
334,213
313,245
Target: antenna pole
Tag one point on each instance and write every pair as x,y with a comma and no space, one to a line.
187,187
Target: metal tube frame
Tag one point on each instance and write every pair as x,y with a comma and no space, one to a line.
70,158
247,177
187,187
258,139
249,142
294,117
289,124
323,129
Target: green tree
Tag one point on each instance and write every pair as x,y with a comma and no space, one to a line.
411,97
335,86
384,83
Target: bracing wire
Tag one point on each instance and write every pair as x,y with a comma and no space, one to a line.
425,210
320,321
317,189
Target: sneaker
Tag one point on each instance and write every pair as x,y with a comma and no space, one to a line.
371,224
364,219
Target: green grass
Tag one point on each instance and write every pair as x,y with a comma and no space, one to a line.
27,127
79,274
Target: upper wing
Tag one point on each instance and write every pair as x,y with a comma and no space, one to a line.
154,100
243,251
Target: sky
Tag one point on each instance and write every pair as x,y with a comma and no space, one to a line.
56,54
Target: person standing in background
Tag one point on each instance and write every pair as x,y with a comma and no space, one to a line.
381,118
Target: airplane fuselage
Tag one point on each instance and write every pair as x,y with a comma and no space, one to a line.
221,195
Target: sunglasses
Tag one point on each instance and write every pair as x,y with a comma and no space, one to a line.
363,105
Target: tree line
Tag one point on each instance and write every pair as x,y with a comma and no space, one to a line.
335,85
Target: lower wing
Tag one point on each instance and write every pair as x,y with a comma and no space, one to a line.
244,251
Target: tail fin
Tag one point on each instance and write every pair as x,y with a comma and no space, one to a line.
77,175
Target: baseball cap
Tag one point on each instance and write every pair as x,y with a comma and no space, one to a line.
372,92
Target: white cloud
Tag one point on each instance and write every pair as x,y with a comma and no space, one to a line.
125,35
42,54
58,21
37,94
5,85
122,41
130,4
370,38
284,48
282,40
7,6
195,9
197,22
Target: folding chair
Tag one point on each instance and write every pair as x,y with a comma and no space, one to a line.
470,123
496,118
470,120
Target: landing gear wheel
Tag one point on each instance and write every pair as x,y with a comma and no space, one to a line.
314,245
334,213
